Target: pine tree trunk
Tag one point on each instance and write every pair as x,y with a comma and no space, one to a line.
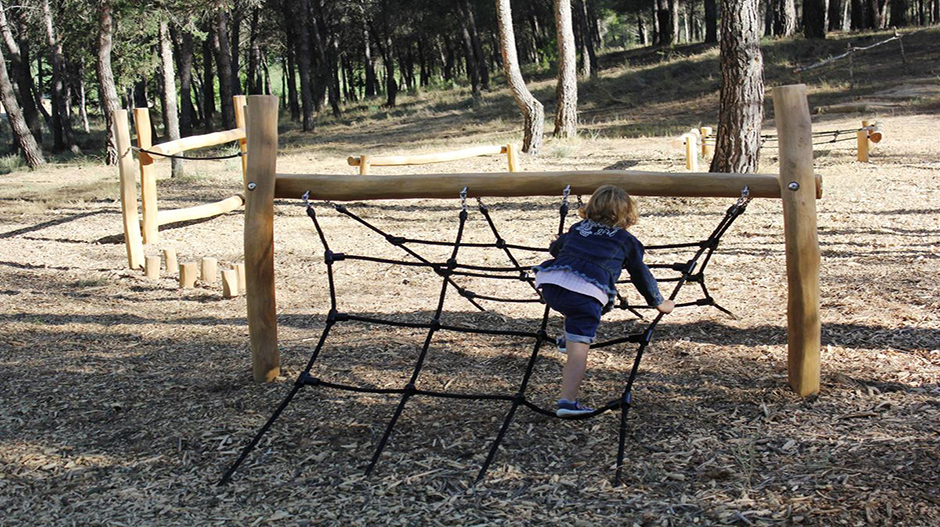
674,21
479,59
208,82
233,27
588,56
741,102
19,64
814,18
291,82
253,82
835,15
472,71
82,102
711,21
368,61
172,123
899,16
566,98
61,121
24,138
300,17
785,18
185,59
224,63
533,113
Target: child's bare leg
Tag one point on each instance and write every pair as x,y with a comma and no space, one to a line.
575,366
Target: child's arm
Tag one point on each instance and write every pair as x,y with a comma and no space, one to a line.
557,245
643,279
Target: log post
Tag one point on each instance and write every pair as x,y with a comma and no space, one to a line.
797,188
863,143
242,284
706,148
691,153
128,177
511,156
209,270
229,283
148,181
259,236
364,164
169,260
152,267
243,142
188,275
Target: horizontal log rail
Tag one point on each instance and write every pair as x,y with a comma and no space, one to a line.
344,188
200,212
426,159
196,141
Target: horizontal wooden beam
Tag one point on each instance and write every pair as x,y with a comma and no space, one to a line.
199,212
426,159
345,188
197,141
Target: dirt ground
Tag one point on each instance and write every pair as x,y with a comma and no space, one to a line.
124,399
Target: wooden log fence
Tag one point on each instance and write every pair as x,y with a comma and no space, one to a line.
145,230
869,133
796,186
365,162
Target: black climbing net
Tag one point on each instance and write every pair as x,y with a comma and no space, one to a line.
452,270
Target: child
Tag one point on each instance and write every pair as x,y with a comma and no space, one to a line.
580,281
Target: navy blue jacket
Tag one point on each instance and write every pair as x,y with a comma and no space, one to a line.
597,253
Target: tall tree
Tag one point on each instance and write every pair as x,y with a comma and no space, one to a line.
784,16
299,17
814,18
19,63
224,63
61,121
24,138
741,102
711,21
533,114
566,91
172,123
184,39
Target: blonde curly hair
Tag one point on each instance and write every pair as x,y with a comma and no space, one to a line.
611,205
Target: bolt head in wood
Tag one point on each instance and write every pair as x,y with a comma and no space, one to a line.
252,185
793,185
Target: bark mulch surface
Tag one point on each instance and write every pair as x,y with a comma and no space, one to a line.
124,399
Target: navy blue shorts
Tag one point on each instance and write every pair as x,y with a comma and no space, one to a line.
582,313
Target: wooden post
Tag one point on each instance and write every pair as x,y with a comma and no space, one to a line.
511,156
691,153
229,283
128,176
863,143
188,275
169,260
209,270
243,142
240,269
148,182
706,148
364,164
259,235
152,267
794,132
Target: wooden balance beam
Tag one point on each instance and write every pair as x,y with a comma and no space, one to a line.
796,186
364,162
145,230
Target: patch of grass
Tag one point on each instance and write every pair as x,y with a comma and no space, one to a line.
89,282
11,163
562,150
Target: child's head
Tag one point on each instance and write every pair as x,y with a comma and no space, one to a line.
612,206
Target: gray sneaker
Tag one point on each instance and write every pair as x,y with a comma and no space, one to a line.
568,408
562,345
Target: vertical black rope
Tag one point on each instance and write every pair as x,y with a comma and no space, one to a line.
435,324
530,366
